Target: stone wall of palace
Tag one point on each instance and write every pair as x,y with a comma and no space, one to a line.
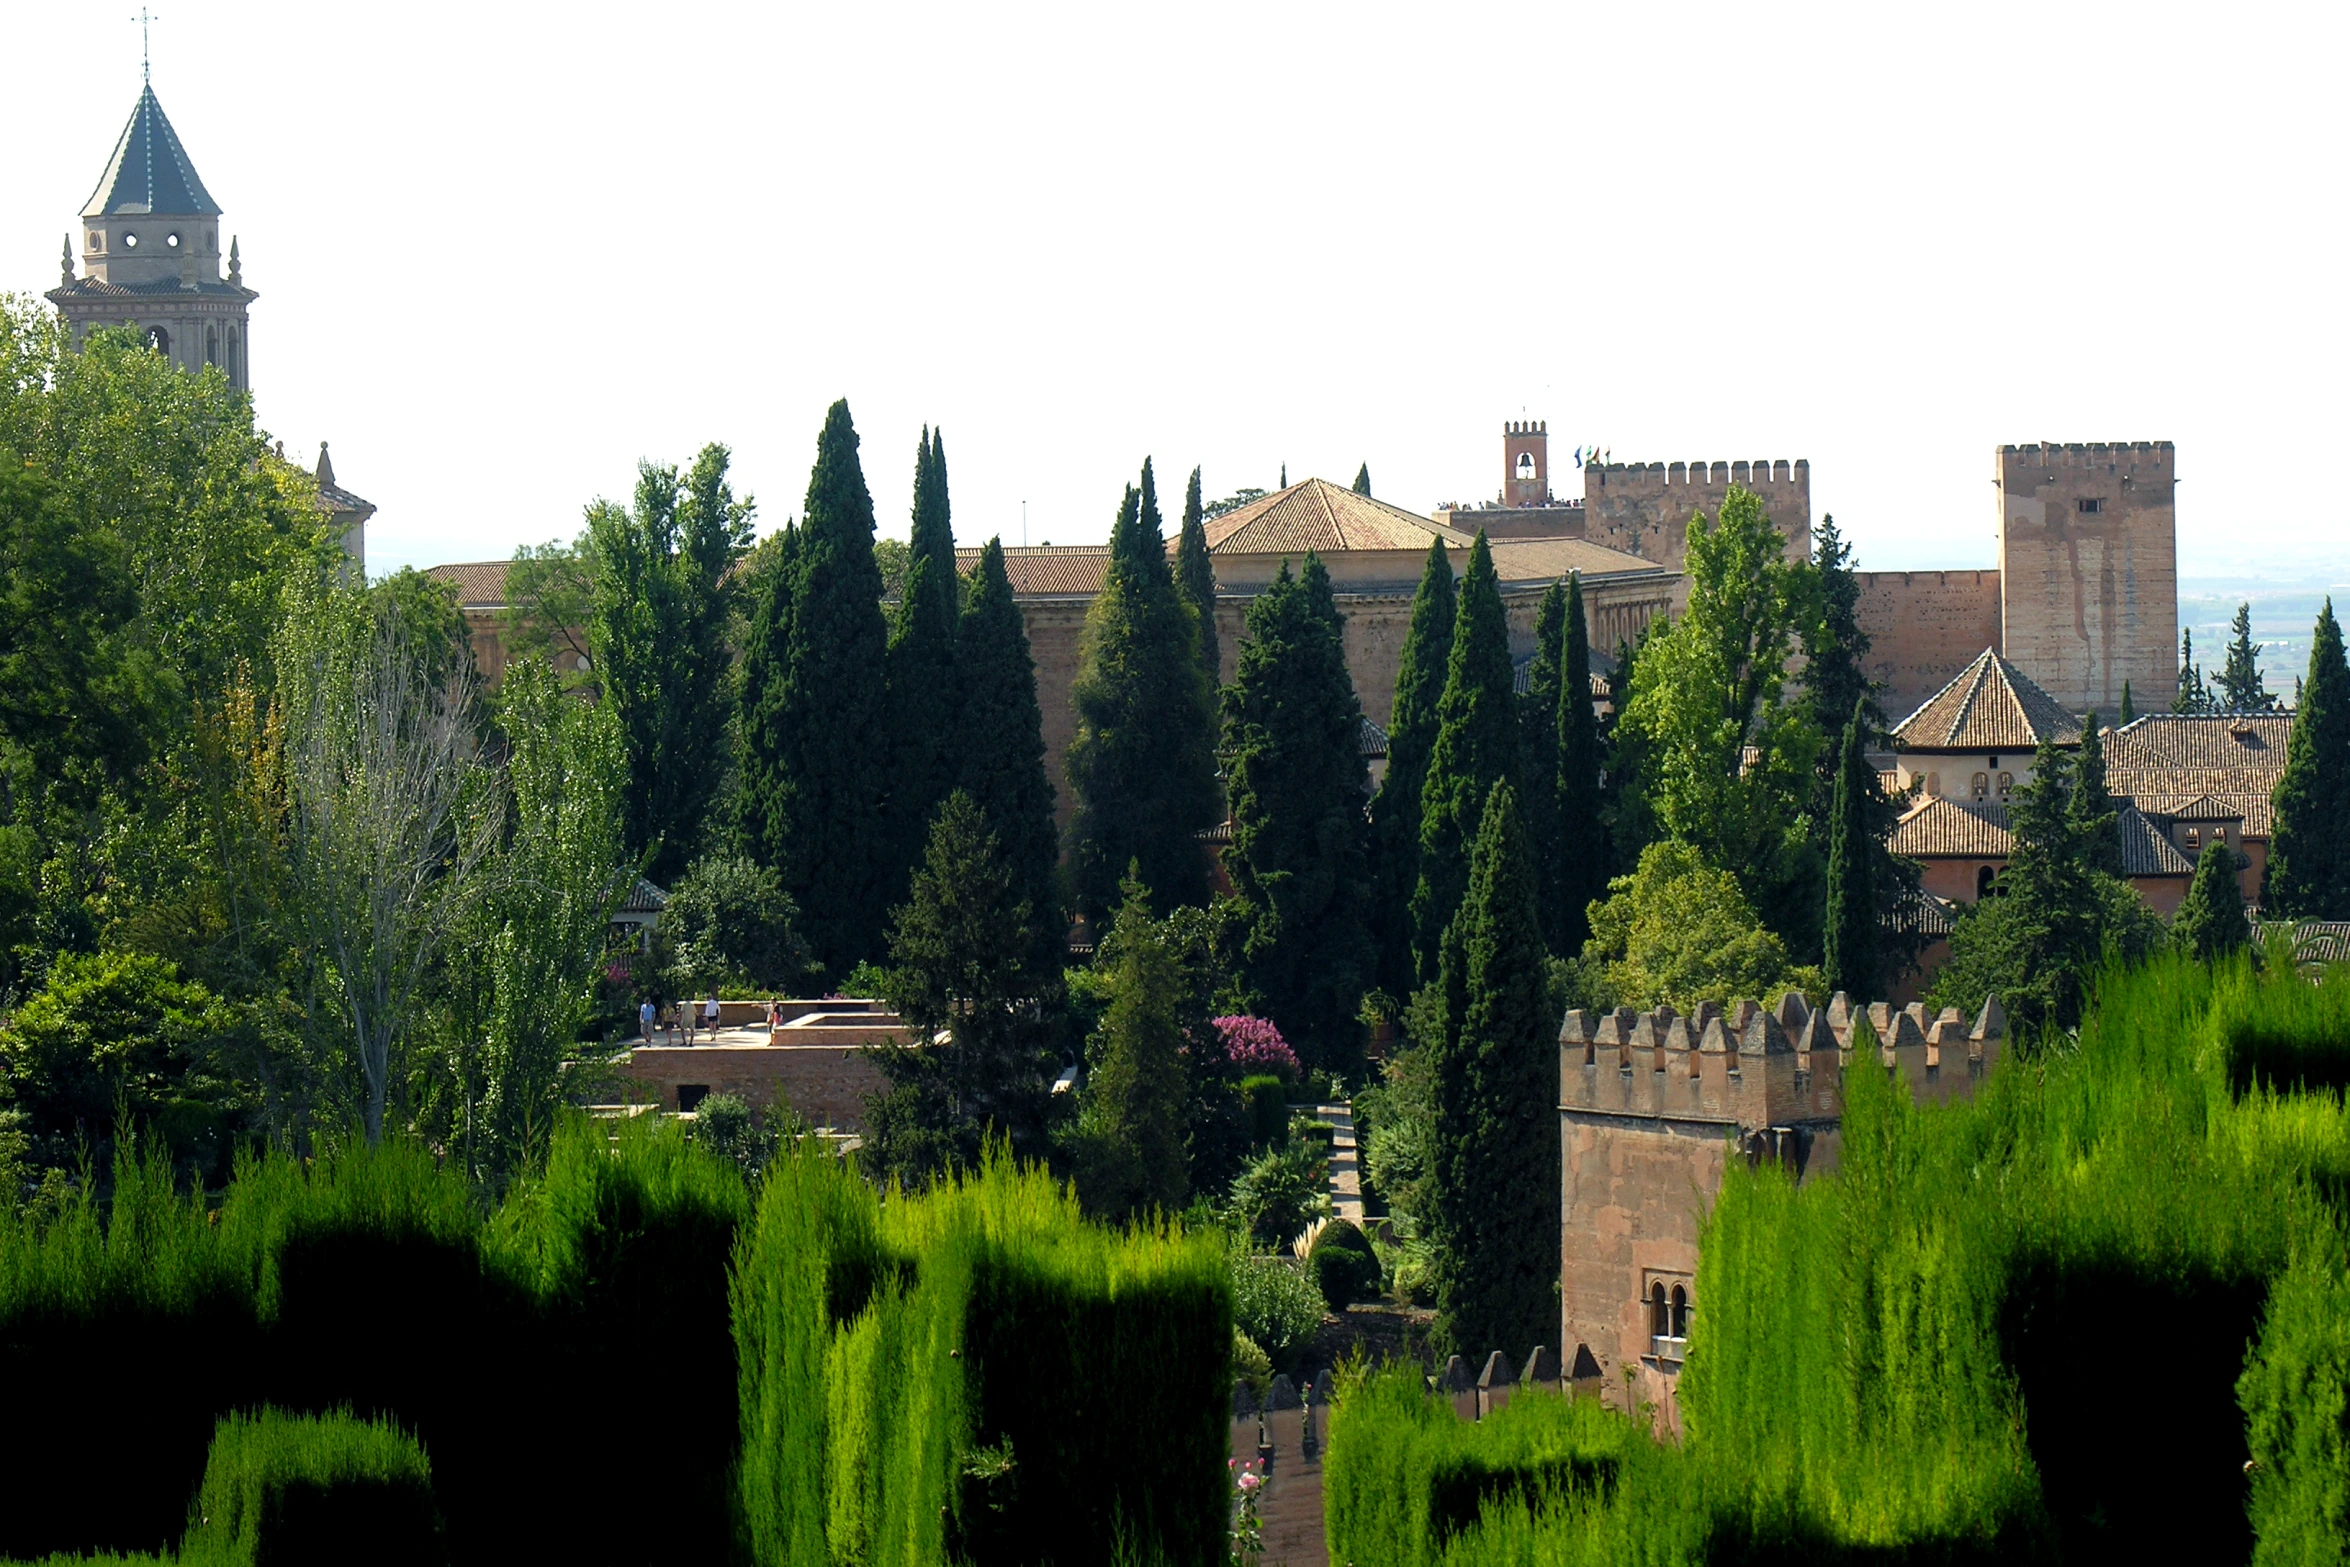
1923,628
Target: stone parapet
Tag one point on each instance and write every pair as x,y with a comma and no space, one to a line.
1752,1068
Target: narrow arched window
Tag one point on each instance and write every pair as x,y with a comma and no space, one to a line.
2194,840
211,346
1981,786
2006,785
1660,1313
1983,883
1934,785
159,340
1680,1312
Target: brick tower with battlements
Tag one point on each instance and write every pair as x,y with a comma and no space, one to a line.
1525,464
2088,570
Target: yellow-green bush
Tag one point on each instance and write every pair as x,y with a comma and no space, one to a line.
975,1374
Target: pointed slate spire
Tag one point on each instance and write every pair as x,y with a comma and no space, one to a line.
65,263
326,468
150,171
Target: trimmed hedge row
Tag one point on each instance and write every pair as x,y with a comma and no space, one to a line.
976,1374
582,1324
2100,1313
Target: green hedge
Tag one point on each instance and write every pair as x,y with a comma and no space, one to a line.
1265,1101
2101,1312
1345,1268
975,1374
516,1348
282,1488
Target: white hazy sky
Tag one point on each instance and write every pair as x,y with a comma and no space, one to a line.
504,251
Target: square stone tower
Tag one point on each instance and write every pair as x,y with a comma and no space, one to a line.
2088,570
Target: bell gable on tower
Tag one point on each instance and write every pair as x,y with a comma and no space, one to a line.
151,254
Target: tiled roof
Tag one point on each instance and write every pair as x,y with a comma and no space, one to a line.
150,171
481,584
1927,915
1547,560
644,898
1315,514
1049,570
1371,740
2232,759
1939,828
103,289
2199,808
1991,706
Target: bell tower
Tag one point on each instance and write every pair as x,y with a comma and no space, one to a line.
151,254
1525,463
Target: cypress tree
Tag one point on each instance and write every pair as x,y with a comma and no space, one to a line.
999,748
1292,739
1143,765
1853,965
2192,697
2241,689
1476,747
1195,577
1130,1129
1582,864
923,688
2129,713
1538,759
2210,922
1411,735
813,689
2095,819
2308,871
1363,480
1492,1187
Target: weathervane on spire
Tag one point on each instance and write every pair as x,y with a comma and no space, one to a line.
146,67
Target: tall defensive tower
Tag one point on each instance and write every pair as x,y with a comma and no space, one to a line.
2088,570
151,254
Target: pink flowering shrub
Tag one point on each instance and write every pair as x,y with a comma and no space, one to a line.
1254,1045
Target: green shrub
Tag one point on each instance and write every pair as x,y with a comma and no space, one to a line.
1266,1100
1274,1303
282,1488
1279,1193
975,1374
1345,1268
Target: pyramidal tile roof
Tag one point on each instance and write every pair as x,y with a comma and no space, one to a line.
1315,514
150,171
1991,706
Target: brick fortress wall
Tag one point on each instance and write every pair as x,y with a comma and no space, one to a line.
1923,627
2088,557
1643,509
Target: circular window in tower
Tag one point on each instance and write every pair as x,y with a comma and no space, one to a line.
97,242
130,241
172,240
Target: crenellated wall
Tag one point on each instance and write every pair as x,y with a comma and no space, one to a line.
1643,509
1652,1107
1924,627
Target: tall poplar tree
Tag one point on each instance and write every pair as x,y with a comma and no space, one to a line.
2308,871
1476,747
1195,576
1292,740
658,633
924,686
1582,867
999,747
1851,939
1538,757
1492,1187
1143,765
1411,735
813,693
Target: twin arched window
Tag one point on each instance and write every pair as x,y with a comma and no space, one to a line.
1668,1313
